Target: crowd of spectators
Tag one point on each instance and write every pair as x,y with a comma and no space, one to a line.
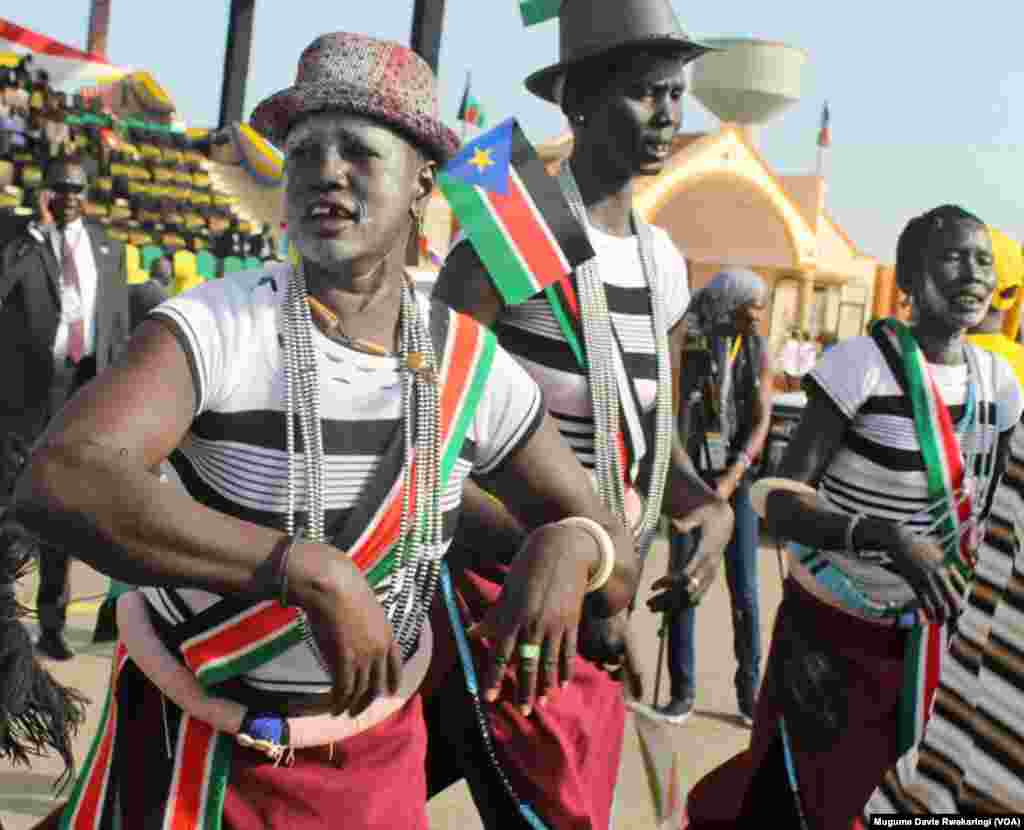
148,181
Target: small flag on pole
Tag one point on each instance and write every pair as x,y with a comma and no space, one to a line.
470,111
825,133
514,213
537,11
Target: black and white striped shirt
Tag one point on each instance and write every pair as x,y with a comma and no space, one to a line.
878,470
233,458
532,334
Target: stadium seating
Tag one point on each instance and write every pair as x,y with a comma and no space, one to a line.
150,186
133,264
233,264
206,265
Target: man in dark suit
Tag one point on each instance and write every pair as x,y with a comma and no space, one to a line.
65,311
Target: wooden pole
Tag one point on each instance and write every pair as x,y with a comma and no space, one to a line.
236,61
99,27
427,25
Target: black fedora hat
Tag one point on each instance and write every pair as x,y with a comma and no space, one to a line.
590,28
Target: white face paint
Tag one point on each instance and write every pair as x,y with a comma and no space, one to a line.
349,186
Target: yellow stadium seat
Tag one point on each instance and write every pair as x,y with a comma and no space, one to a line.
31,176
184,262
186,275
133,265
10,197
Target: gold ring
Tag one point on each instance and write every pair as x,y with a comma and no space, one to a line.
529,651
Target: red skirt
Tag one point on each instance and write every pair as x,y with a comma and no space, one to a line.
563,760
372,781
834,782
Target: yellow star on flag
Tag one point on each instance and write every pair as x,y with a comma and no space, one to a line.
482,159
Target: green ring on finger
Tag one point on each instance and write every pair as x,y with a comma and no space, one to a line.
529,651
500,659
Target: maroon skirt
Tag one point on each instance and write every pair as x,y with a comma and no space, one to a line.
563,760
372,781
836,780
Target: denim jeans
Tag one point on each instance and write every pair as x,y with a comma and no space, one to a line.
741,575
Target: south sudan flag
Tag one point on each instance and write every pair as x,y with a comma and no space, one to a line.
470,110
537,11
514,213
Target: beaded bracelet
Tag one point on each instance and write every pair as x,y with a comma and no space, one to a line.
604,545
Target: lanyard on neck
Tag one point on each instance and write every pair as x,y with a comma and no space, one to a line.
735,348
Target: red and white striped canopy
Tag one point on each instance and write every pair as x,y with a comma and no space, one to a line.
69,68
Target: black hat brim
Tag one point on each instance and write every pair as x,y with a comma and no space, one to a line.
542,82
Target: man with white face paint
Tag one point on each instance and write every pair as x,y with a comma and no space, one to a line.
293,575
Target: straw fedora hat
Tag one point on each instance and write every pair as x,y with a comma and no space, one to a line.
591,28
379,79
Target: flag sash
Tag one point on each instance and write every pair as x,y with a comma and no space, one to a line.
944,464
85,809
233,637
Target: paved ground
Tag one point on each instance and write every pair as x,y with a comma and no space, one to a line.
710,736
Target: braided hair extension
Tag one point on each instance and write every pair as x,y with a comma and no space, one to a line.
36,712
912,246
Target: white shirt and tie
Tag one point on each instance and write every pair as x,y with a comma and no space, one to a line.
77,303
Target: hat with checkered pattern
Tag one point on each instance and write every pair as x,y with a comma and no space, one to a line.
353,73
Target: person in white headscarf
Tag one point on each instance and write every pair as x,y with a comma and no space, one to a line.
733,400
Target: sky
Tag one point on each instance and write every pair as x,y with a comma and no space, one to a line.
920,97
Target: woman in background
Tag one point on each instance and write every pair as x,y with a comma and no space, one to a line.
726,314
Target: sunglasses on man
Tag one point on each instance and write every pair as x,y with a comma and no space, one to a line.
66,188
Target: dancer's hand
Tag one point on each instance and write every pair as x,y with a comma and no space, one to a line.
920,561
539,613
686,586
350,626
729,480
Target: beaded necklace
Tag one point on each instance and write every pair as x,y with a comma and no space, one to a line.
604,388
414,578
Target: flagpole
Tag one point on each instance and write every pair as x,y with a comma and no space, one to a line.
465,95
824,140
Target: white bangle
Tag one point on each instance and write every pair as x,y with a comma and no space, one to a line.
604,544
850,548
763,487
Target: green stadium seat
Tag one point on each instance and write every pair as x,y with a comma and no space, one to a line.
206,265
233,264
150,254
253,263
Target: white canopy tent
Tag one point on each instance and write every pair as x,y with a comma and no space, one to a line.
68,68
